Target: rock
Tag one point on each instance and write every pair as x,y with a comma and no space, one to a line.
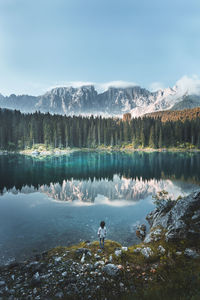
178,253
161,249
83,258
179,219
36,280
137,250
110,258
99,263
59,295
82,250
118,252
121,286
2,283
97,256
111,270
58,259
125,249
154,235
147,252
64,274
191,253
141,231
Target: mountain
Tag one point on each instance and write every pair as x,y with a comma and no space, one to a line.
189,101
112,102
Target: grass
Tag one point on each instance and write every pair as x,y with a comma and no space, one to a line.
162,276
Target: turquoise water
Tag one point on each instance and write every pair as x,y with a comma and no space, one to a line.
61,200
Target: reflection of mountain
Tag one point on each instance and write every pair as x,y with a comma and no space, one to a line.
117,189
19,171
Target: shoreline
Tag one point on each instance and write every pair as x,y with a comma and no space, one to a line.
59,152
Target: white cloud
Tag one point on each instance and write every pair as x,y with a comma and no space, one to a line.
190,85
117,84
155,86
100,87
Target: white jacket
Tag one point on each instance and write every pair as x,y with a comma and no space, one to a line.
102,232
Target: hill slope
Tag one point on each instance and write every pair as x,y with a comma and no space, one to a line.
170,115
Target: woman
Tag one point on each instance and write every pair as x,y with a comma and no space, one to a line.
102,233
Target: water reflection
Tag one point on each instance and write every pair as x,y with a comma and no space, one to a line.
107,191
19,171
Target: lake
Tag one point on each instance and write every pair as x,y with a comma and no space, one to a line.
60,200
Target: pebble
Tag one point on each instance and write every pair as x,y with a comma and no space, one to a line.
2,283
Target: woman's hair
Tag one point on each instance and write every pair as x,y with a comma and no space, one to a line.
102,224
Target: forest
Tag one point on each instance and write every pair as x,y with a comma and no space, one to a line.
22,131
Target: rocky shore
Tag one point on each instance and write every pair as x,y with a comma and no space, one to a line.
166,264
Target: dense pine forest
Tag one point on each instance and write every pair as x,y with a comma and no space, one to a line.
20,131
175,115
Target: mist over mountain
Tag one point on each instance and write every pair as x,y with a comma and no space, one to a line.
114,101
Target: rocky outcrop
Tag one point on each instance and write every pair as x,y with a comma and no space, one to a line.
86,100
176,220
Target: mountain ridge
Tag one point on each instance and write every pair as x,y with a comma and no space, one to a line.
86,100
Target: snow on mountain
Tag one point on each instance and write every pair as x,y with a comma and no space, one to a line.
119,189
86,100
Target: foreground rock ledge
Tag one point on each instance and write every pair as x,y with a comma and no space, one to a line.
169,253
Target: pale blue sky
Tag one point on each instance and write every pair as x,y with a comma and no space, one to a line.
44,43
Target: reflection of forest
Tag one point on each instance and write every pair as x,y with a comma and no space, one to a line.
19,171
116,189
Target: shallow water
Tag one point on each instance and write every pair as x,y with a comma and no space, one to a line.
61,200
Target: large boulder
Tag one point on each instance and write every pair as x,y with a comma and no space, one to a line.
176,219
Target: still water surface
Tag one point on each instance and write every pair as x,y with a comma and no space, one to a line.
61,200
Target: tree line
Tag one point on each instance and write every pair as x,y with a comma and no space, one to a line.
21,131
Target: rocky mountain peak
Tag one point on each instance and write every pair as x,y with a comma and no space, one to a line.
86,100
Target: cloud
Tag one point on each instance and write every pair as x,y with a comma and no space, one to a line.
155,86
190,85
100,87
116,84
186,84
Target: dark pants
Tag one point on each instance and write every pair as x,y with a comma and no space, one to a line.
101,244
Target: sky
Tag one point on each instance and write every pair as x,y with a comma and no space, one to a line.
47,43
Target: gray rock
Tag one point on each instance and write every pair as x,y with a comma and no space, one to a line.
161,249
111,270
191,253
2,283
147,252
118,252
154,235
137,250
59,295
125,249
180,219
141,231
36,280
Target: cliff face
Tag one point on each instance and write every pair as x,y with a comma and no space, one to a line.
178,219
